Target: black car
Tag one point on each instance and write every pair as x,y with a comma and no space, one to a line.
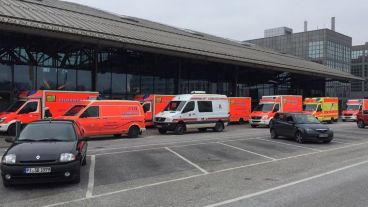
45,151
302,127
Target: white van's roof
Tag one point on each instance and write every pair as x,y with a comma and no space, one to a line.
187,97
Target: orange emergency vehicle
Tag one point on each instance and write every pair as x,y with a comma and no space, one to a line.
108,117
325,109
270,105
152,105
240,109
352,109
36,105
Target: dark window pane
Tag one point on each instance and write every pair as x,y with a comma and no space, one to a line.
29,108
46,78
189,107
205,106
104,81
133,84
84,80
119,82
67,79
92,111
5,77
24,77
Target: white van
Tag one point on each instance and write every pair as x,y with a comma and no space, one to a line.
197,110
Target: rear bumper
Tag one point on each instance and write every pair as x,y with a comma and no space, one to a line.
57,173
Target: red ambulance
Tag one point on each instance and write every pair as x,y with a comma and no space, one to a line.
36,105
352,109
270,105
108,117
240,109
152,105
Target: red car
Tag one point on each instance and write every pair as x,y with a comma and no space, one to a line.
362,116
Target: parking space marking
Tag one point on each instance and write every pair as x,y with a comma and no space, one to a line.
241,149
199,175
287,185
174,142
294,145
91,179
186,160
176,146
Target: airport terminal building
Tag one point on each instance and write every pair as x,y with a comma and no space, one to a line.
49,44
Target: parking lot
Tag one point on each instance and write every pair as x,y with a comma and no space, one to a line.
238,167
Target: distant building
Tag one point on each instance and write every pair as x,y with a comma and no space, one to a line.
324,46
359,67
277,31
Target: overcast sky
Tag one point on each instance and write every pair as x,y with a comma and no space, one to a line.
246,19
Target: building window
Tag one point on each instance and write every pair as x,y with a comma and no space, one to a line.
67,79
24,77
84,82
46,78
5,77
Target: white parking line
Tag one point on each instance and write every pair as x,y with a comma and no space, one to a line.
294,145
174,142
175,146
286,185
194,176
241,149
91,179
188,161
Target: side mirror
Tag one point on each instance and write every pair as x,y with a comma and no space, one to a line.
10,139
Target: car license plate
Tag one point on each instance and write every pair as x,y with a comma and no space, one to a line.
37,170
323,135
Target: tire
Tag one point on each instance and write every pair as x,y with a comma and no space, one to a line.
117,135
162,131
84,161
241,121
273,134
327,141
299,137
11,130
361,124
180,129
6,184
202,129
253,126
219,127
133,132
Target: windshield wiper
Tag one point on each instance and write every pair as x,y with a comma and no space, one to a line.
27,140
50,140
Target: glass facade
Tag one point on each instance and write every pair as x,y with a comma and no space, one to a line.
359,67
31,63
323,46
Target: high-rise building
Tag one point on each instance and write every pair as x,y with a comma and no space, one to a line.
359,67
324,46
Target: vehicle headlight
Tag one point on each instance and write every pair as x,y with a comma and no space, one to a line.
2,119
67,157
9,159
264,117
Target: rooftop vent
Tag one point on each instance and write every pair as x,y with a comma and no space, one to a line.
129,19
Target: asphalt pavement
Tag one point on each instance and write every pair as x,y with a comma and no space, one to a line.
239,167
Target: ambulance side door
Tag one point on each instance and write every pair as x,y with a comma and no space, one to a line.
90,120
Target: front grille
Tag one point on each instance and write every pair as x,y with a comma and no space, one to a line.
322,130
39,162
256,117
348,114
160,119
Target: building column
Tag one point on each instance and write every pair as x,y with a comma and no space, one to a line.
95,69
178,77
236,79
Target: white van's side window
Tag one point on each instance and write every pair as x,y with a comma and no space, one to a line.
205,106
189,107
